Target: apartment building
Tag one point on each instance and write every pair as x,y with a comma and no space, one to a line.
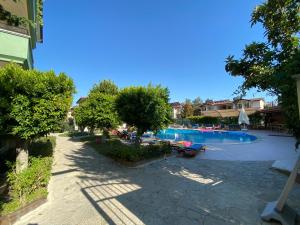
176,109
224,108
230,108
17,38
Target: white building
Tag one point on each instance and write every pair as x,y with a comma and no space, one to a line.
228,108
176,110
255,103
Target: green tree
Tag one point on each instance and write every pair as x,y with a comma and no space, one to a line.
105,87
105,115
32,104
98,109
84,116
269,65
146,108
187,109
197,103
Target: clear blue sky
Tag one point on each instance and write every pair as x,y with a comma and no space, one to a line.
177,43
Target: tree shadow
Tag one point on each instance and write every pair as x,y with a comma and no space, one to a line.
178,190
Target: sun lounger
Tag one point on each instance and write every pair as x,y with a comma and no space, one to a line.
192,150
180,145
122,135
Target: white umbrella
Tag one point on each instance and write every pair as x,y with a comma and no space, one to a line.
243,118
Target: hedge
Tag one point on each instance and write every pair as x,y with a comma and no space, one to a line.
204,120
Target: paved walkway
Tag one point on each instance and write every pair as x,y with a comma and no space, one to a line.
87,188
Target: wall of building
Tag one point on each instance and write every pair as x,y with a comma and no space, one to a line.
212,107
17,42
18,8
259,104
176,112
15,48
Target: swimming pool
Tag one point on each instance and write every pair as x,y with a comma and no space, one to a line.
206,136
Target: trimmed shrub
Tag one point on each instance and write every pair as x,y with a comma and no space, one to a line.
204,119
74,134
183,121
31,183
36,176
230,120
28,185
256,119
42,147
132,153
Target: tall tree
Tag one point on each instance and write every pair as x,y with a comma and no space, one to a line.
197,103
105,87
187,109
146,108
98,109
269,65
32,104
84,116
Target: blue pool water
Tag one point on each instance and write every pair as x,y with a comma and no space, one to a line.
197,136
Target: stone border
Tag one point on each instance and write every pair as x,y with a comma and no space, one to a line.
14,216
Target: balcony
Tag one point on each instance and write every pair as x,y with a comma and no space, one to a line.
20,29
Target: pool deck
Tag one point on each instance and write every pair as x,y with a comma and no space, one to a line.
269,146
87,188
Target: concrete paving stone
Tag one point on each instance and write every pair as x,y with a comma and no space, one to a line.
215,188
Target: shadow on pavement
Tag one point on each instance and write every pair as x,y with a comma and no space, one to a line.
178,190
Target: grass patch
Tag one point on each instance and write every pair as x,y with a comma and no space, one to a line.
15,204
115,149
30,184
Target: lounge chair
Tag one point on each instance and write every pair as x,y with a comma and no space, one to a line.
179,145
217,127
192,150
123,134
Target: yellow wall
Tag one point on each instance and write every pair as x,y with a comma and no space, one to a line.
18,8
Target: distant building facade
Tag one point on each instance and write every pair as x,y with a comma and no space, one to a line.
18,40
80,100
230,108
224,108
176,110
255,103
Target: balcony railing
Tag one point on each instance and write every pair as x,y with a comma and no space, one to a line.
19,29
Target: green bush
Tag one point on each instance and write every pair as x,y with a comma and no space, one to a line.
256,118
14,204
42,147
132,153
204,119
36,176
67,126
183,121
74,134
28,185
230,120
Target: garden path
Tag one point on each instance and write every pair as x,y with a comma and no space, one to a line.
87,188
